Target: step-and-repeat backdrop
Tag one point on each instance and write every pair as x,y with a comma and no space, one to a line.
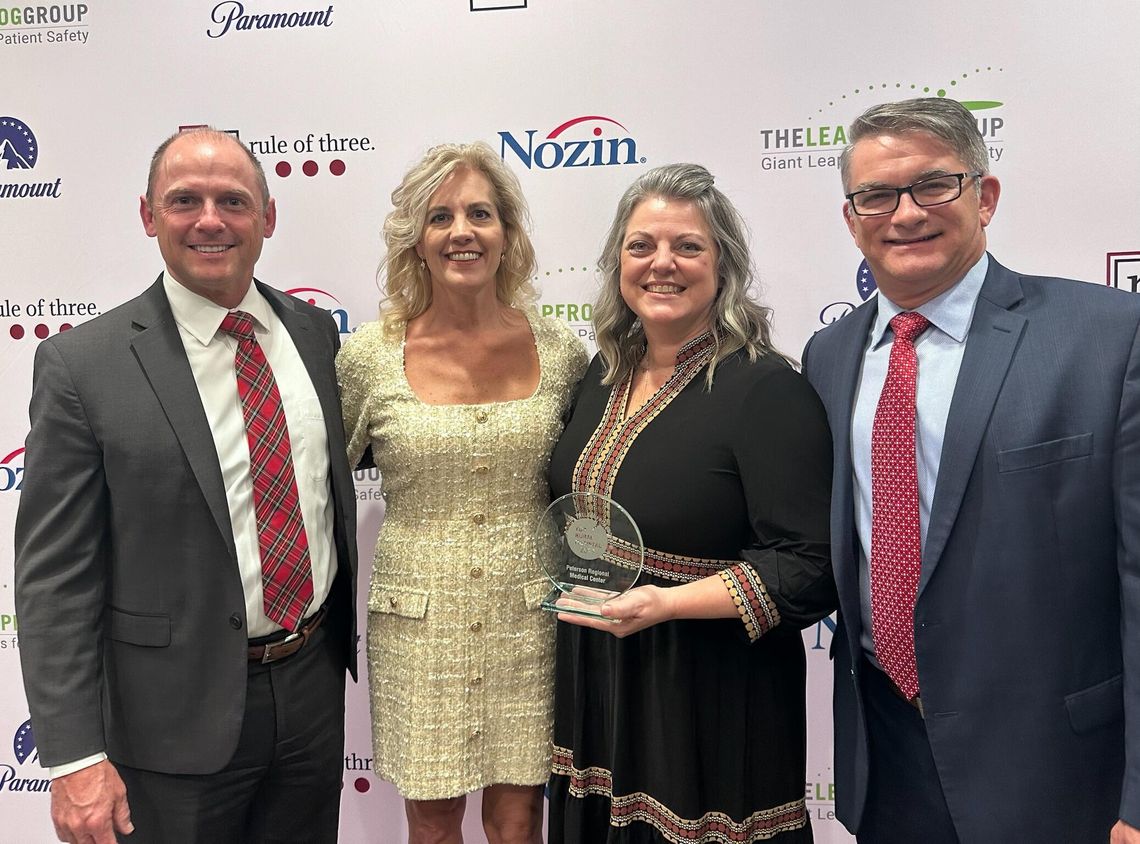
579,96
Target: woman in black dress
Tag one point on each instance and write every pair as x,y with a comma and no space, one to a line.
680,717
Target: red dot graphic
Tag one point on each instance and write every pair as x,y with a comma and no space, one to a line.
283,168
361,784
597,131
17,332
310,168
42,331
336,167
65,327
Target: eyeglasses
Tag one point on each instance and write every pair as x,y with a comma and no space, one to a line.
937,190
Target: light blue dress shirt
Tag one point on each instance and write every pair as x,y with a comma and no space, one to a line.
939,350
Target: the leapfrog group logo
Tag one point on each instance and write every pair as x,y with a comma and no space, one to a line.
24,750
816,142
19,154
58,24
590,140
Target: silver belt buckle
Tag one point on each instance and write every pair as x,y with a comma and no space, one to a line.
268,657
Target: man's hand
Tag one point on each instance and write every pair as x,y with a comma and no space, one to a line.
1122,833
90,806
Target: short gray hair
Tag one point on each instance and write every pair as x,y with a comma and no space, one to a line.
739,321
948,120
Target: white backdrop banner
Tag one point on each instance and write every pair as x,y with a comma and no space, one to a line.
579,97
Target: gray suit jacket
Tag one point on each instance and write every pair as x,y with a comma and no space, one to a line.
1027,623
131,609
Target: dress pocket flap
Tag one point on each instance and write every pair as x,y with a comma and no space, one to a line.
1097,705
149,631
1042,454
398,600
535,591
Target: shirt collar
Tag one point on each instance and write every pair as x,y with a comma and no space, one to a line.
950,312
202,318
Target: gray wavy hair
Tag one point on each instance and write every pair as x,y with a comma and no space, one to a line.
948,120
738,320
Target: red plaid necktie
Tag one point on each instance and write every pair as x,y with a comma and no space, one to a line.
286,573
896,539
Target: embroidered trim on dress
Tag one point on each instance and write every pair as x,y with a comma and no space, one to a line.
662,564
756,608
710,828
599,461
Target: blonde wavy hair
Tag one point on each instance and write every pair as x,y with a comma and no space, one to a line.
738,320
404,280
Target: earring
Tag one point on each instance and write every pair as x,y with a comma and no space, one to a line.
423,264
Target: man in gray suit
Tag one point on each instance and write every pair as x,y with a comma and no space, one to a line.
187,609
985,515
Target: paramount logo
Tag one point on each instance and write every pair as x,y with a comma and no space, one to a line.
231,14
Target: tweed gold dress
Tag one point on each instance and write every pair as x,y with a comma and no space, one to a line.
460,656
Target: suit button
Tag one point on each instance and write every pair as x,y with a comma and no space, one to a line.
482,469
475,626
476,571
480,416
478,518
235,621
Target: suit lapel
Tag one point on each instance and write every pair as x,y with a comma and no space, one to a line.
837,376
158,348
990,347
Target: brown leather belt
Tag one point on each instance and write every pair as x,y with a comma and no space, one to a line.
274,651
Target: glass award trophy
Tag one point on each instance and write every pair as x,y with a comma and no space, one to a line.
591,549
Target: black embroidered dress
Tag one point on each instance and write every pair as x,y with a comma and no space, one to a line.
694,730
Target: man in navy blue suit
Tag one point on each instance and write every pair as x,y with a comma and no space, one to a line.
988,645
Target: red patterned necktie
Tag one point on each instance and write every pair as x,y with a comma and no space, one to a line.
286,573
896,538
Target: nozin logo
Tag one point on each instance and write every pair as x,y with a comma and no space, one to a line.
323,299
560,149
12,476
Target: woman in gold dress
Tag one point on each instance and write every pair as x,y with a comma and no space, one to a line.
459,390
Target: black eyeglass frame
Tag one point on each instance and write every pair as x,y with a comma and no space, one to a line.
961,177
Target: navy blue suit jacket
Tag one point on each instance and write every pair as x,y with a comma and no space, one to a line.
1027,622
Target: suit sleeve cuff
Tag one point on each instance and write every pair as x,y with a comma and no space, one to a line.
57,771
